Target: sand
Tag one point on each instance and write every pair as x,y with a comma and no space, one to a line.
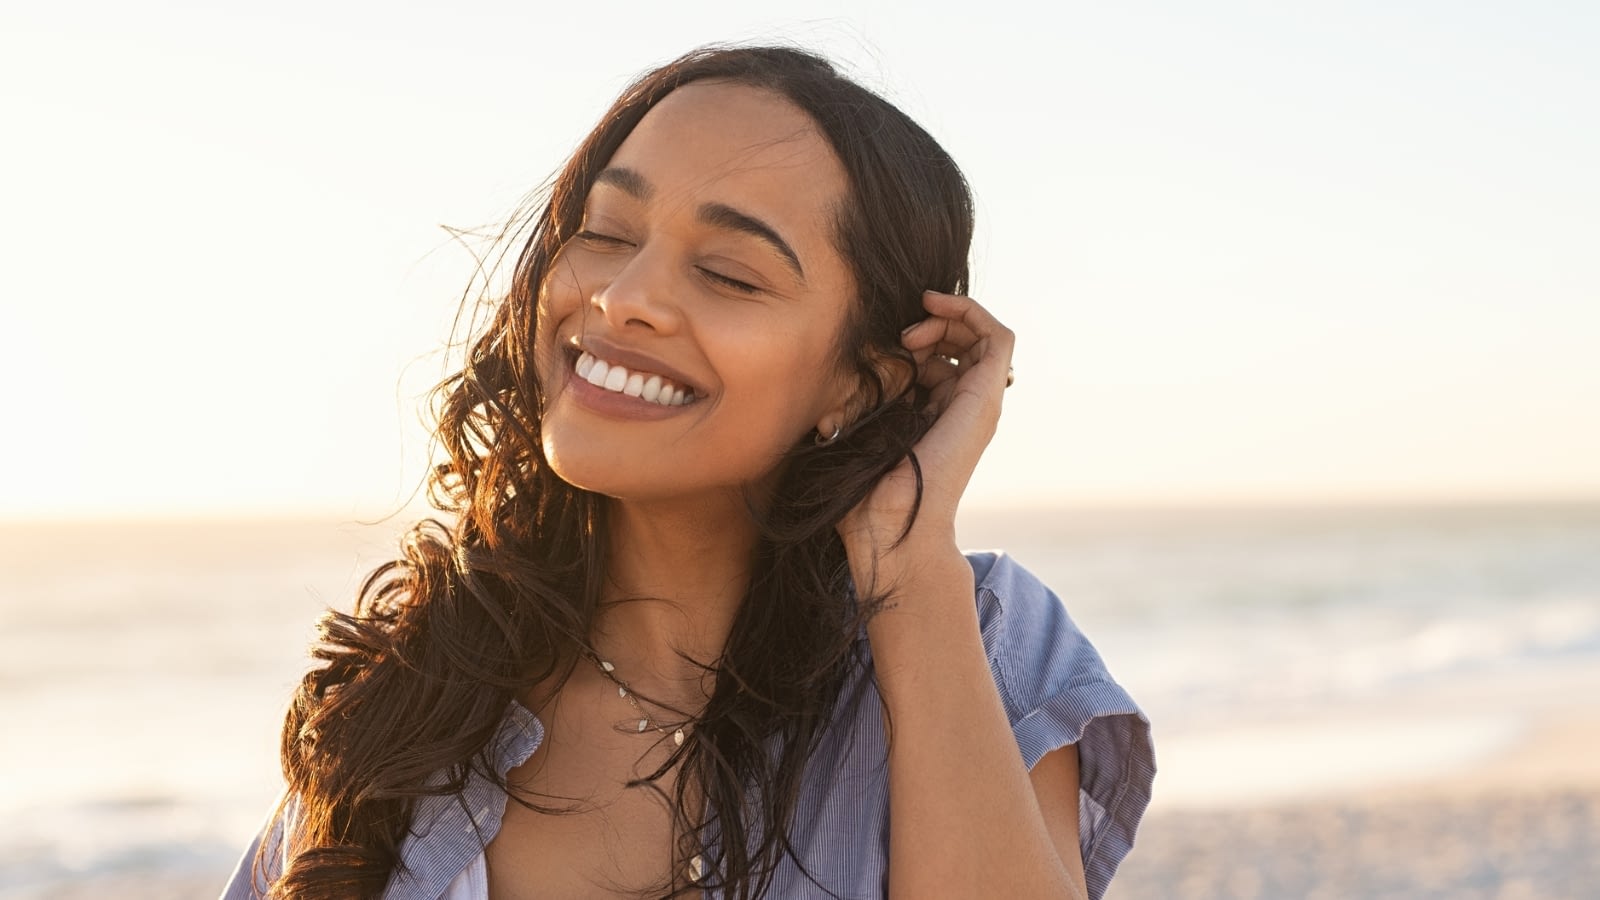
1421,847
1524,823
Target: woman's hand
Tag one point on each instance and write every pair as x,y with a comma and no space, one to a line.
963,357
965,818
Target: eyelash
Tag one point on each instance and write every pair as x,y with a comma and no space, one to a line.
730,283
594,237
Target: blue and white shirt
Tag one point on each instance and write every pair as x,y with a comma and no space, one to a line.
1056,692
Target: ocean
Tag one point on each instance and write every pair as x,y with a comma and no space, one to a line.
144,666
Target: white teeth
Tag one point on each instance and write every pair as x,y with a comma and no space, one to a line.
652,388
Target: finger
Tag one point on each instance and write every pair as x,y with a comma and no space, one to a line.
996,340
937,394
945,337
963,311
961,356
936,364
940,385
965,354
936,329
936,370
928,356
959,307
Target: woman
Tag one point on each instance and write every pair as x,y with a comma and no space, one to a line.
700,615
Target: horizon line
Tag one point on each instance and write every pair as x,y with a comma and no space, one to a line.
408,515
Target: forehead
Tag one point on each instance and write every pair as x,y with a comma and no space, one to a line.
747,147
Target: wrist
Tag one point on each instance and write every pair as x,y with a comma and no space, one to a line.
928,620
882,564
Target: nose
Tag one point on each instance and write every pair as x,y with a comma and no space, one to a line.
640,294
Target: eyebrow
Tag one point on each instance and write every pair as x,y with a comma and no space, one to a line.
717,215
722,216
626,180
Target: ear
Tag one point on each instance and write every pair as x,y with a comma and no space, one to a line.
855,395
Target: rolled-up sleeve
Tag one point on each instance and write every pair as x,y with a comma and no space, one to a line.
1057,691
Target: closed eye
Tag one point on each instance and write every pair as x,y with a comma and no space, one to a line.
742,287
598,239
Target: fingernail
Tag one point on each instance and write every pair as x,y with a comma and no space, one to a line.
907,330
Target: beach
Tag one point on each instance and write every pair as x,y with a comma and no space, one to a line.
1520,823
1416,847
1353,704
1485,784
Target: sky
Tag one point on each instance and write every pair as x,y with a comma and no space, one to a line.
1254,252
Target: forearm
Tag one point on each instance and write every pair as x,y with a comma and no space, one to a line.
964,821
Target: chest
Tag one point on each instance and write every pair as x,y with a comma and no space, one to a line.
595,835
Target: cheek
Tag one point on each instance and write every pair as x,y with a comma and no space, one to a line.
559,299
789,379
560,293
546,321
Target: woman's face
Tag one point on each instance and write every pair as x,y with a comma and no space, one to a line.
704,295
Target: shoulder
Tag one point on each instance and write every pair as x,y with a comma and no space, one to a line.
1057,690
1035,648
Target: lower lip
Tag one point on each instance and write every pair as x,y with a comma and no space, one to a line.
616,405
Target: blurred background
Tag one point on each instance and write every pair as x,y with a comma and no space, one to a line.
1306,432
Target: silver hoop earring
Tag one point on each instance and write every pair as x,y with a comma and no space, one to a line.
824,441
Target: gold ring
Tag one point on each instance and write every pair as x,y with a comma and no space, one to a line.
1011,376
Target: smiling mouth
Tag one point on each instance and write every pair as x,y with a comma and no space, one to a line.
647,386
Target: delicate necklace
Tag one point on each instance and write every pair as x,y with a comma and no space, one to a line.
647,722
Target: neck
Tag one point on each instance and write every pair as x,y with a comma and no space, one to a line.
675,577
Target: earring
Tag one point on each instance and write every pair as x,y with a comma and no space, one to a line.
824,441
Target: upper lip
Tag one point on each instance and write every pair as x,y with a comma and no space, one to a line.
633,360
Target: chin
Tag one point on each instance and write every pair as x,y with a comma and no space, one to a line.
607,469
608,472
582,470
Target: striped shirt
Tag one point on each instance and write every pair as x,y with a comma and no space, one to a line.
1056,692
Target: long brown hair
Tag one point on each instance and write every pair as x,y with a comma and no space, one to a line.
418,678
